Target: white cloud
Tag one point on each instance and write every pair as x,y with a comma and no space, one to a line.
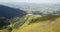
12,0
32,1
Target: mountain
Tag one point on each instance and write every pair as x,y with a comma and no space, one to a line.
35,8
34,23
10,12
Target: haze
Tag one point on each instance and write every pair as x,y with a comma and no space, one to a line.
33,1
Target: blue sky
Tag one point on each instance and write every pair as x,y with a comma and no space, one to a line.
33,1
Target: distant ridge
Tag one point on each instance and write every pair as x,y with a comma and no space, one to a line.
9,12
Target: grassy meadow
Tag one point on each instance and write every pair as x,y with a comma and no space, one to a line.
37,23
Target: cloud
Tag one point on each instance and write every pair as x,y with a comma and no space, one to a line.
12,0
32,1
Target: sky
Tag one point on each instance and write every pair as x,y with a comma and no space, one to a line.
32,1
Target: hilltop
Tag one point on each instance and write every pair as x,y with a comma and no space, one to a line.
34,23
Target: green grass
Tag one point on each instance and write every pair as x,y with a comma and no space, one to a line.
34,23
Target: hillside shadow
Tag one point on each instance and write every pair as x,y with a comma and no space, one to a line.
44,18
10,12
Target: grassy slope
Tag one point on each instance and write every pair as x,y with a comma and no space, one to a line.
36,23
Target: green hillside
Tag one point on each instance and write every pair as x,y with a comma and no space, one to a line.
37,23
